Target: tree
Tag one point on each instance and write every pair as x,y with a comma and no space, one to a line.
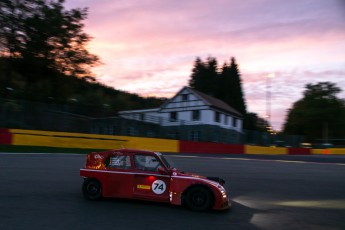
42,34
225,85
204,76
10,27
196,80
230,87
318,115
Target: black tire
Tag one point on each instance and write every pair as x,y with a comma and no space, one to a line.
92,189
199,199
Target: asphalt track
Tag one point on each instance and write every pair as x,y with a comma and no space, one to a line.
42,191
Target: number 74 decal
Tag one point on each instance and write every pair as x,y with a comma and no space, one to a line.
158,187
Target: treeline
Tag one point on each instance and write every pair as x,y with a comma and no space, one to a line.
319,115
225,84
43,57
44,35
56,88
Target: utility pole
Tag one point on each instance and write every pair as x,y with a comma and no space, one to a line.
268,98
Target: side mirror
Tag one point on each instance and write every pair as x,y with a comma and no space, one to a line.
162,171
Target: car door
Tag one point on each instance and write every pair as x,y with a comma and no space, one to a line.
149,183
119,176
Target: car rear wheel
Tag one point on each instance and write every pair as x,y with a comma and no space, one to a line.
199,199
92,189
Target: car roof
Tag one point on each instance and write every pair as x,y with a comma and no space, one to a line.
131,151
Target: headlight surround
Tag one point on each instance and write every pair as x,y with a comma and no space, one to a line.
222,191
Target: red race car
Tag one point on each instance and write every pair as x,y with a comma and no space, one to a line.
145,175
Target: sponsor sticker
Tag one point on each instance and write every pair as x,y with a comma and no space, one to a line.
142,186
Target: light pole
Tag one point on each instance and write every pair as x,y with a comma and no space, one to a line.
268,99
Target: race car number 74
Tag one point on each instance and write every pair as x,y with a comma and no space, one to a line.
158,186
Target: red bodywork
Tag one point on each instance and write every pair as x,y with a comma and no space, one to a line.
163,184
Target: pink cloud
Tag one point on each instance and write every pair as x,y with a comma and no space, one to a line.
149,46
286,88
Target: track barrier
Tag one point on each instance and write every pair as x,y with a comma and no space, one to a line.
37,138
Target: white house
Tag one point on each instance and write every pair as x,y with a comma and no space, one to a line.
190,107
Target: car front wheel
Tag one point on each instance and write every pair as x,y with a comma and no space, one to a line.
199,199
92,189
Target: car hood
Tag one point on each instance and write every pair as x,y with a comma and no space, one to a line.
187,174
177,172
193,175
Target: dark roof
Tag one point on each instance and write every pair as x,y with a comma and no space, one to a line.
216,103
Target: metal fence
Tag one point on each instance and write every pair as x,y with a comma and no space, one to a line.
83,119
42,116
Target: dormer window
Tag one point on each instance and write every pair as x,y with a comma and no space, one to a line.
185,97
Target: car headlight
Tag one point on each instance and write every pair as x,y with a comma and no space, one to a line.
224,195
222,191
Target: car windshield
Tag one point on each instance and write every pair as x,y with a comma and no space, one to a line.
164,160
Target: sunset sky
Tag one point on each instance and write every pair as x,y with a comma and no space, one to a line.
148,47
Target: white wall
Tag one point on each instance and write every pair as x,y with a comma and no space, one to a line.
184,110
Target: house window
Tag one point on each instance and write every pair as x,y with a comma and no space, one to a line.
173,116
196,115
234,122
226,120
184,97
216,116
